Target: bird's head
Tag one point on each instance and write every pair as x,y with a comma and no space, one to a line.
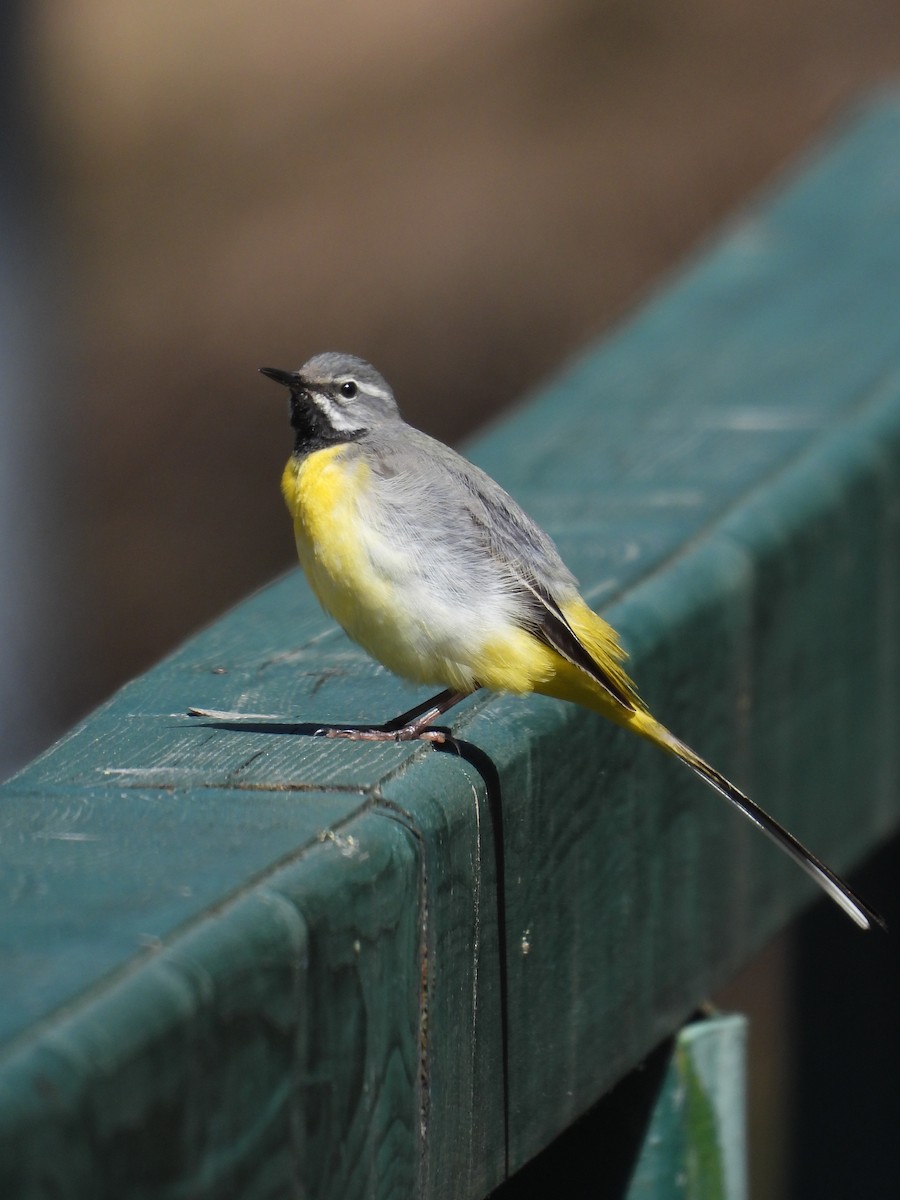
335,398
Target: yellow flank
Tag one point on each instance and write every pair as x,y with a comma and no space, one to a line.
513,661
571,683
516,661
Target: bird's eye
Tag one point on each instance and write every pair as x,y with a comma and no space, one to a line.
349,389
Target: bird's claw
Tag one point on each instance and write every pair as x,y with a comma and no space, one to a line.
407,734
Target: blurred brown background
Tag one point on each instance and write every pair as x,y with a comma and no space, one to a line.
463,192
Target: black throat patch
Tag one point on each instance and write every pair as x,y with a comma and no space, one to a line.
312,429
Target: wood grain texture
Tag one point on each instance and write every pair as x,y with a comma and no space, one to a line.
255,963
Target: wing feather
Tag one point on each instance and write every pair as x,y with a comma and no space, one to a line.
455,502
554,630
524,548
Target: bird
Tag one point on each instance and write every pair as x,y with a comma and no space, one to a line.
437,572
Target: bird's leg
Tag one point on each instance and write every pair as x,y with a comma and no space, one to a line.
410,726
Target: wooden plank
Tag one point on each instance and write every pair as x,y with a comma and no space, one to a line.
695,1145
183,901
261,1051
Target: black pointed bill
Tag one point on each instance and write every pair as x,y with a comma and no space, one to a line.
289,379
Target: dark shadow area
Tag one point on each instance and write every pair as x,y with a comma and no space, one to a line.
597,1155
487,769
397,729
846,1042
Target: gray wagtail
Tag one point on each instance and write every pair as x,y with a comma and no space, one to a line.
432,568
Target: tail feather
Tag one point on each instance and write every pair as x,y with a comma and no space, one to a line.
830,883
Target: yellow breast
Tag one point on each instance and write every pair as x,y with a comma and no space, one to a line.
322,494
362,579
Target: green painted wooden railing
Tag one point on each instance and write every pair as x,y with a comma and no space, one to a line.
246,963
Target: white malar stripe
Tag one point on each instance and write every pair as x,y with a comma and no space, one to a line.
338,420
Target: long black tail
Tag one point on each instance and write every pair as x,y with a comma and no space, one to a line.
830,883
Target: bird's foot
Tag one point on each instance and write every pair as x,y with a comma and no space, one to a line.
408,733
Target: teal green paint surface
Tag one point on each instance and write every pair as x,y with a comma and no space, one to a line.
694,1148
249,964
